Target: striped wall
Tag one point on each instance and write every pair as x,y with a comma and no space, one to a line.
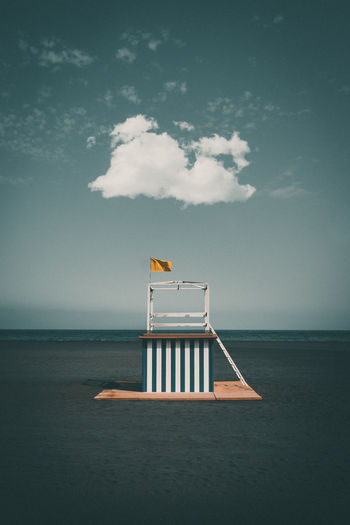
177,365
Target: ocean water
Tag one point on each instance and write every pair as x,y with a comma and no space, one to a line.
66,458
132,335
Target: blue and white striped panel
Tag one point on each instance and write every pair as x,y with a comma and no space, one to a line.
177,365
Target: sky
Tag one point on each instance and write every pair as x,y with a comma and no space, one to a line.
212,135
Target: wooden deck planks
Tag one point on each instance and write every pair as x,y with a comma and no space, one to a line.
226,390
223,391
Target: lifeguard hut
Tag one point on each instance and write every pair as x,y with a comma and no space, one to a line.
178,364
177,361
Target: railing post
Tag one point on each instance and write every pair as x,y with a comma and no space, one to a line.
151,309
206,308
148,305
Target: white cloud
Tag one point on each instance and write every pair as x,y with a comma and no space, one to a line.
44,133
344,89
179,42
216,145
175,85
250,108
129,92
132,128
138,38
90,142
287,192
52,52
125,54
153,44
108,98
144,162
250,125
165,34
223,104
66,56
44,92
160,97
22,45
131,38
170,86
183,87
15,181
183,125
278,19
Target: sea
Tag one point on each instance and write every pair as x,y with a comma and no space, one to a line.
69,459
132,335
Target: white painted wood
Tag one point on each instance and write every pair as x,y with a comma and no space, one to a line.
149,366
178,324
180,288
151,305
180,314
180,284
229,358
206,306
159,365
206,366
148,308
196,365
187,365
177,367
176,285
168,366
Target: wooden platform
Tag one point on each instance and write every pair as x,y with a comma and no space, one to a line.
223,391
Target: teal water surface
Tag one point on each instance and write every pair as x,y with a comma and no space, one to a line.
132,335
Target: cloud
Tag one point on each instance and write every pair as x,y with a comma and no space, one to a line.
71,56
22,45
44,133
287,192
44,93
278,19
52,52
216,145
179,42
129,92
153,44
132,128
90,142
175,85
223,104
144,162
145,39
15,181
107,98
132,38
250,108
125,54
183,125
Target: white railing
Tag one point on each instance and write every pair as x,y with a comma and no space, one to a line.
176,286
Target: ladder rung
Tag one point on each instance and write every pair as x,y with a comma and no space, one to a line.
180,314
178,324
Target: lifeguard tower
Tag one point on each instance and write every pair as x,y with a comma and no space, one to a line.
179,364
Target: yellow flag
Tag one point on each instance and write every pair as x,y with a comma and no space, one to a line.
157,265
